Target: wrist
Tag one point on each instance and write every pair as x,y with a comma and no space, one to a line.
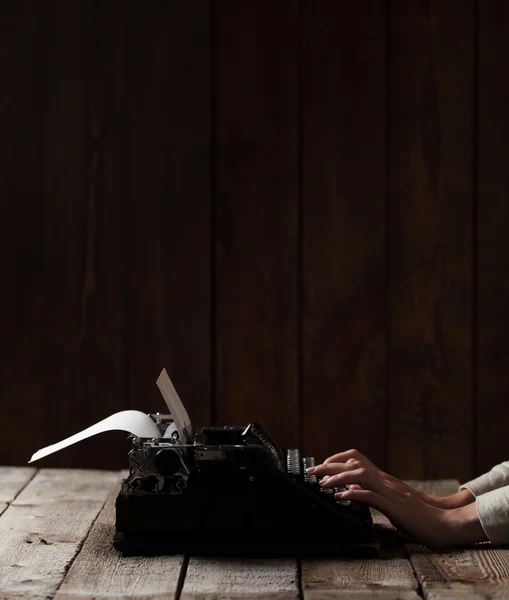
463,525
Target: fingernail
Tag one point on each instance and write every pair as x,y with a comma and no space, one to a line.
339,494
310,469
325,478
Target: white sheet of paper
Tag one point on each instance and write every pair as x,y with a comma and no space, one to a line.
132,421
175,407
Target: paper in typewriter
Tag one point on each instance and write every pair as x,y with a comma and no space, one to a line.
175,408
132,421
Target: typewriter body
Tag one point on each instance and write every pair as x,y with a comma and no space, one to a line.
231,490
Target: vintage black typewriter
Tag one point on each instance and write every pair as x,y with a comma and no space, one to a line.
229,490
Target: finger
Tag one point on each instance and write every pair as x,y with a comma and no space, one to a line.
332,468
354,486
357,476
367,497
343,456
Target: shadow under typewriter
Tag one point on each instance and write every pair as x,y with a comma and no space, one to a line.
232,491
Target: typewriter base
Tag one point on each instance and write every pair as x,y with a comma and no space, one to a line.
154,545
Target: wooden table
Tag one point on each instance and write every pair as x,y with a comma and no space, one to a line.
55,542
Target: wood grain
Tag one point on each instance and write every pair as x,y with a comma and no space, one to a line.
481,572
168,213
21,230
51,525
102,573
492,236
65,211
13,480
377,578
249,579
256,191
43,529
343,195
368,594
430,250
389,576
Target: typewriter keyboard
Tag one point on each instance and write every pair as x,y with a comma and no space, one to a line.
293,467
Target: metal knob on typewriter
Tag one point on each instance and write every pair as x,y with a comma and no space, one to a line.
309,461
293,461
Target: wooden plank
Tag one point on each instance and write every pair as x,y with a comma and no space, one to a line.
476,573
65,204
256,246
249,579
21,231
343,182
492,235
168,214
388,576
44,528
389,594
103,314
102,573
360,579
430,243
12,481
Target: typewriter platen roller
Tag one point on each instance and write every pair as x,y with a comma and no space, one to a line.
233,490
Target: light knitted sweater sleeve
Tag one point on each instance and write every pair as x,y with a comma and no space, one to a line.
493,512
496,478
491,492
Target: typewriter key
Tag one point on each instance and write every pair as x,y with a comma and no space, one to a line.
293,461
342,488
309,461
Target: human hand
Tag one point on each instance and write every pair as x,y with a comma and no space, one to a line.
353,460
406,507
461,498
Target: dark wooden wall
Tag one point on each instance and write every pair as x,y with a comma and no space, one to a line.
299,207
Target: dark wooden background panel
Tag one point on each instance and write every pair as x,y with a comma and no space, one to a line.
168,208
299,208
493,234
103,312
343,243
430,256
22,398
65,193
256,190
